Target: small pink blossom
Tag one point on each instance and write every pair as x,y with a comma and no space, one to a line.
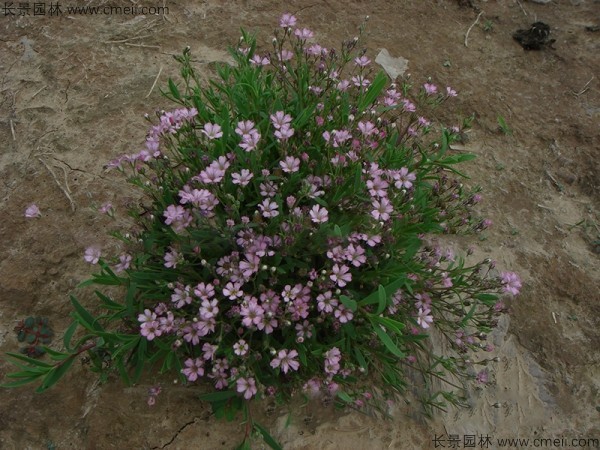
303,34
92,255
290,164
247,386
124,263
285,55
242,178
287,21
430,88
450,92
268,208
363,61
511,282
319,214
240,348
341,275
424,317
106,208
212,131
193,369
286,360
32,211
483,376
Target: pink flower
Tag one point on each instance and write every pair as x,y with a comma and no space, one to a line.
284,133
285,55
268,208
250,141
212,131
363,61
291,164
285,360
382,209
424,318
287,21
483,376
240,348
280,119
430,88
150,330
242,178
367,128
124,263
404,178
303,34
32,211
106,208
450,92
92,255
171,259
247,386
319,214
260,60
343,314
245,127
173,213
341,275
194,368
511,282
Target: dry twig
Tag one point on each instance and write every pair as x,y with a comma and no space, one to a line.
585,88
62,188
471,27
154,84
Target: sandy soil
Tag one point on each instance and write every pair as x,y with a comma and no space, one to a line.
73,92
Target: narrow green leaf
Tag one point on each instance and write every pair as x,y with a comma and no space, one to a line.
54,355
174,91
344,397
85,316
349,303
217,396
69,335
382,298
337,231
269,440
373,91
361,359
55,374
387,341
28,360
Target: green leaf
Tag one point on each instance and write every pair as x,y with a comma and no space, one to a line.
217,396
382,298
54,355
373,92
174,91
344,397
28,360
270,441
387,341
84,317
361,359
337,231
349,303
468,316
55,374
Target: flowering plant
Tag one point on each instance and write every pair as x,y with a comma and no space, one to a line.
285,244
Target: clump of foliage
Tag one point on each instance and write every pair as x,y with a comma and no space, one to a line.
286,244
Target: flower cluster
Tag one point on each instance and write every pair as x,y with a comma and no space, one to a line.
283,245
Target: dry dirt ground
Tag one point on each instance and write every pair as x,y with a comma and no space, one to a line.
73,93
